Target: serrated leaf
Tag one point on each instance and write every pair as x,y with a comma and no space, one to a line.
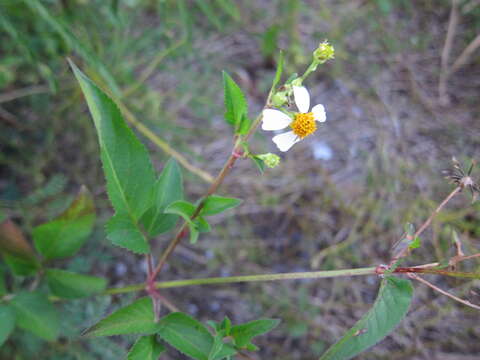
35,313
244,333
146,348
122,231
65,235
389,309
7,322
136,318
217,204
168,189
186,334
126,163
69,285
236,107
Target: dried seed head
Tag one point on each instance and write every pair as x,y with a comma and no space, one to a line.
458,176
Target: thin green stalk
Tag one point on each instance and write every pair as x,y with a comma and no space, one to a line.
247,278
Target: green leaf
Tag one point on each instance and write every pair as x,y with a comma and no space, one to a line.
236,108
278,73
202,225
3,285
146,348
70,285
259,163
186,211
136,318
168,189
183,208
122,231
65,235
187,335
194,234
389,309
35,313
220,350
7,322
21,266
416,243
244,333
126,163
217,204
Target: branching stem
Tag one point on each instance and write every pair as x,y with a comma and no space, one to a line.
427,223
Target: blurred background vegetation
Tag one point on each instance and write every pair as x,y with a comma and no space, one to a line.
396,115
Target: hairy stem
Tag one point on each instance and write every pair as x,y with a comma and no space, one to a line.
247,278
368,271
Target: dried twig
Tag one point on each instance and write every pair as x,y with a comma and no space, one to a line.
446,293
447,49
464,57
426,224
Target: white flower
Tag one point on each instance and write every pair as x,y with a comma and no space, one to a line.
303,123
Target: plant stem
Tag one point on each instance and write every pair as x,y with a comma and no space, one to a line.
248,278
421,269
441,291
437,210
426,224
213,188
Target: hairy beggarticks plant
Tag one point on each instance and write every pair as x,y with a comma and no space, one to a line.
147,205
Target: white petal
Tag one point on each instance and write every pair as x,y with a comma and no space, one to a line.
286,140
275,120
319,113
302,98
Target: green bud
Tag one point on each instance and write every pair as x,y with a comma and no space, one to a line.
280,98
297,82
324,52
269,159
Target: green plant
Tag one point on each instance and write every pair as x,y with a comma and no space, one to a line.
144,212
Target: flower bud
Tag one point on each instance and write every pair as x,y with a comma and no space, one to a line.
324,52
280,98
297,82
269,159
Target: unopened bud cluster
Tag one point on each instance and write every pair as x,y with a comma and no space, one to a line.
324,52
269,159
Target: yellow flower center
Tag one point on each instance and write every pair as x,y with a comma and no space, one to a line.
303,124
